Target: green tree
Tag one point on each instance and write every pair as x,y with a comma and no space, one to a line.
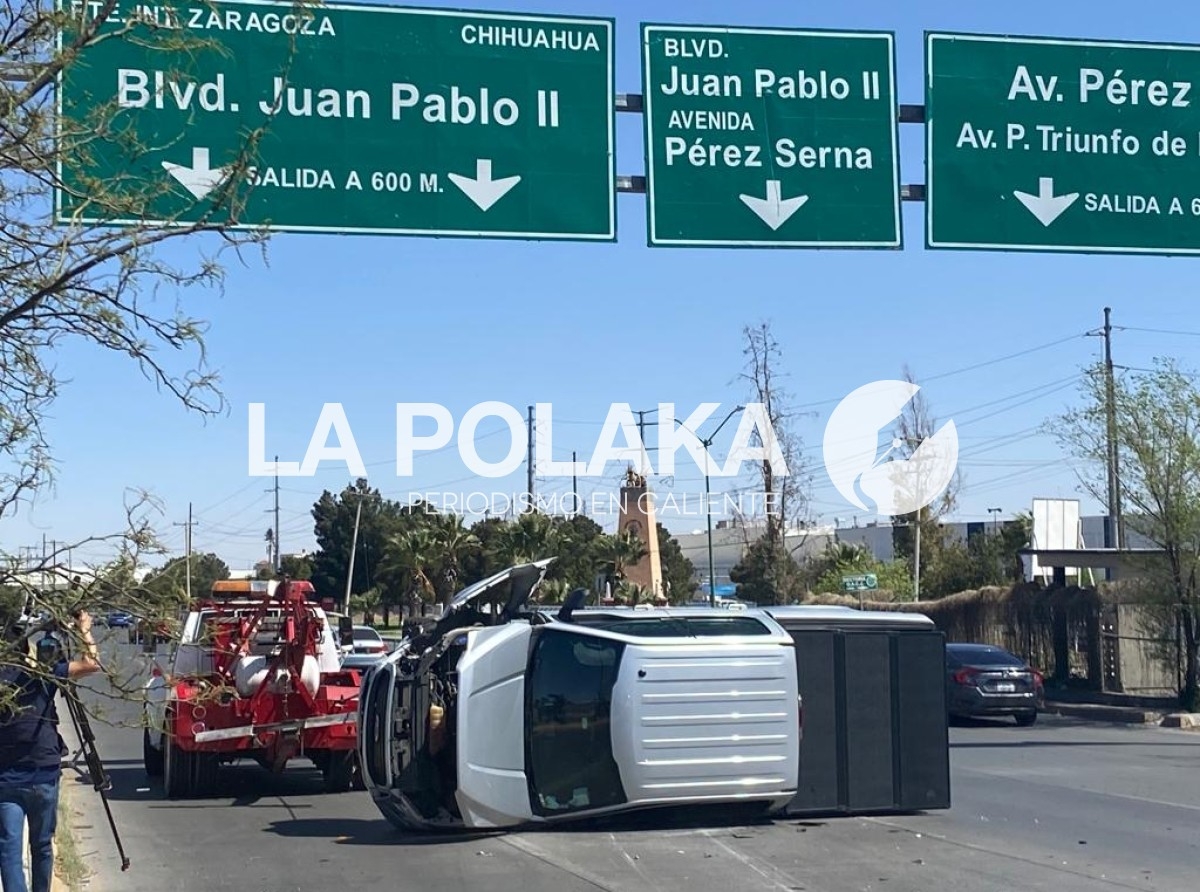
333,525
615,553
846,559
485,560
408,556
574,542
1156,433
767,574
172,578
89,283
678,572
297,566
452,544
532,536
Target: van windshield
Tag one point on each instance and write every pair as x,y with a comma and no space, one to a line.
567,722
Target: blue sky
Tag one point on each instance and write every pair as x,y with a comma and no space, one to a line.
372,321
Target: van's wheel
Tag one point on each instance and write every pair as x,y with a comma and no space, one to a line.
179,770
1025,719
152,759
339,772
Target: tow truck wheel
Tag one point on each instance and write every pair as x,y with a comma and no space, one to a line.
339,772
177,770
152,759
204,767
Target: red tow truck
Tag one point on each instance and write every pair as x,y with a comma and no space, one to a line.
256,674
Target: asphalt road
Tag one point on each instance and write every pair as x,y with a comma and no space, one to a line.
1064,805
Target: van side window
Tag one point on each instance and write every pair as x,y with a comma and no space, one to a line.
568,735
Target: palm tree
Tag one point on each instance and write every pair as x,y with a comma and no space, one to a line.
615,553
633,593
454,543
552,591
407,557
531,537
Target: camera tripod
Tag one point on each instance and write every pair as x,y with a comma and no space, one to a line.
87,751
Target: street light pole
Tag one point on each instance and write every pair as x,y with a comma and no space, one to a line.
706,443
917,561
712,582
995,512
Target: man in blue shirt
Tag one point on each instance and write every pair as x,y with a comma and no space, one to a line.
31,749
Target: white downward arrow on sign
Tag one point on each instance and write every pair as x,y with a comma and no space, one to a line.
1046,206
199,179
774,210
483,190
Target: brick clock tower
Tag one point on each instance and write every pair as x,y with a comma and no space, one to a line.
637,517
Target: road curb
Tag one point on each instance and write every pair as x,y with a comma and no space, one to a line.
1189,721
1123,715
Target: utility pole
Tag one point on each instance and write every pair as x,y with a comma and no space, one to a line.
273,533
574,487
642,439
642,413
353,548
188,539
529,457
187,550
277,515
1114,532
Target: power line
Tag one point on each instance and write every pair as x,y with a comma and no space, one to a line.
1162,331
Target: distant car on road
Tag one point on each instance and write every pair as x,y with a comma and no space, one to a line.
983,681
361,661
119,619
368,641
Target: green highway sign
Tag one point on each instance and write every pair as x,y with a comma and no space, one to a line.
366,119
770,137
861,582
1047,144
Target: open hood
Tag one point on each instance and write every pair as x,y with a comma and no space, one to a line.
512,587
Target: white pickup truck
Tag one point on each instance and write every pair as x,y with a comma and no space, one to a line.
503,716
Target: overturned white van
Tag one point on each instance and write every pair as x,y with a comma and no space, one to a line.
505,715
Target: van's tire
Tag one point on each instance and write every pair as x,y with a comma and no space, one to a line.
1025,719
152,759
339,771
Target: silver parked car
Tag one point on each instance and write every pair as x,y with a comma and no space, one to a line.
504,715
